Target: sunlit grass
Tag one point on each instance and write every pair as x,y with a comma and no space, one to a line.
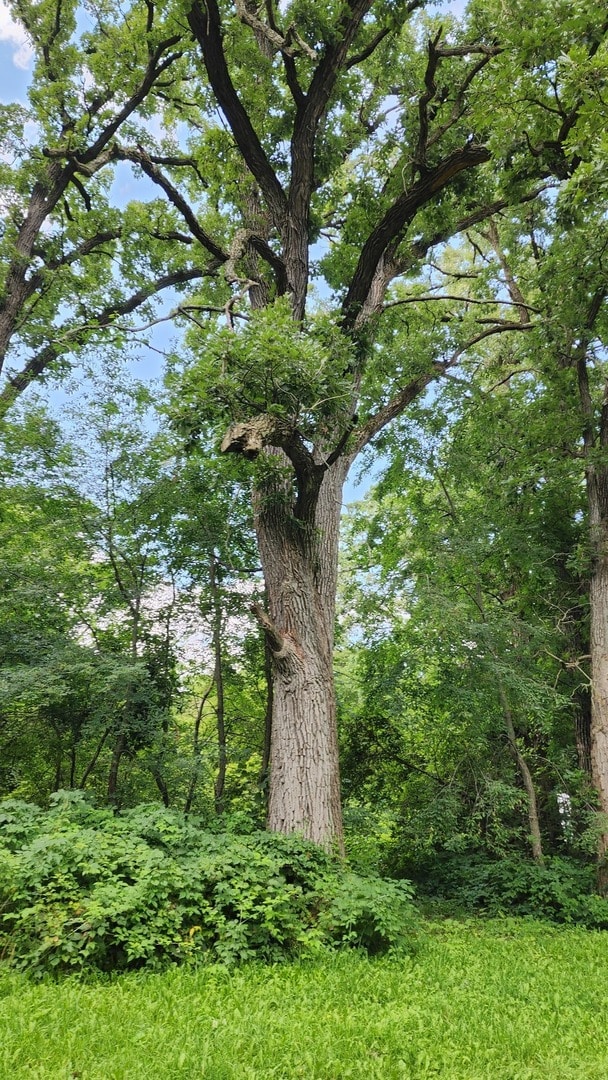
499,1001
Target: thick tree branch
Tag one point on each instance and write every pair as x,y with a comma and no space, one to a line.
459,105
392,267
93,243
308,115
425,99
416,386
245,239
176,161
421,247
319,92
398,216
156,67
327,71
370,48
66,339
278,42
205,23
139,157
278,643
250,437
342,442
391,410
291,74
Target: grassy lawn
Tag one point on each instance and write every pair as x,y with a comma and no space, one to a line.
501,1000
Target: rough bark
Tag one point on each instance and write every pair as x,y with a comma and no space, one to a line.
265,766
300,560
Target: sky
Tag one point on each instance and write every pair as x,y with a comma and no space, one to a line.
15,58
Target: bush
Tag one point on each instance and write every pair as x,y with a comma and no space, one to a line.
560,889
83,889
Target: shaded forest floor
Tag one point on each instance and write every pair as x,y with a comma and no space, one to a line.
498,1000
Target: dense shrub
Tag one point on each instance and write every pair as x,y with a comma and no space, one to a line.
81,888
560,889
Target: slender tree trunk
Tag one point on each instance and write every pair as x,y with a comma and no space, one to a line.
161,784
526,776
72,767
597,490
300,561
58,782
92,763
117,753
582,728
196,749
218,678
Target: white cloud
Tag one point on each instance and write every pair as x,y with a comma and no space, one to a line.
15,35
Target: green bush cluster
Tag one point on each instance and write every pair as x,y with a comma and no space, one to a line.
560,889
82,889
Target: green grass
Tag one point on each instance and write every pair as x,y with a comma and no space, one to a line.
501,1000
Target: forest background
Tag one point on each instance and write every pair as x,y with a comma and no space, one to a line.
370,238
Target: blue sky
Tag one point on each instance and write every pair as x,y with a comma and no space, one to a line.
14,59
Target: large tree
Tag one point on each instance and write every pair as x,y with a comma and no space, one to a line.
339,144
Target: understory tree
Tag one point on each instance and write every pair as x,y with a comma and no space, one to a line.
462,599
549,259
117,558
299,146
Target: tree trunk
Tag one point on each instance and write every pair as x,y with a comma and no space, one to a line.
117,754
598,603
92,763
582,729
264,768
526,776
597,496
58,782
218,678
161,784
596,480
196,749
72,766
300,562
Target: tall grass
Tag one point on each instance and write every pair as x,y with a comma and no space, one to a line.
501,1000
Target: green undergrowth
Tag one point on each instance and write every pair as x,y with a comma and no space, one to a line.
560,889
83,889
491,1000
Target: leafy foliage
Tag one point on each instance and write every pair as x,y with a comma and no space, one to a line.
81,888
560,889
271,366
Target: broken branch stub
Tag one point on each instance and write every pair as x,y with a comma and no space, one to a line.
249,437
